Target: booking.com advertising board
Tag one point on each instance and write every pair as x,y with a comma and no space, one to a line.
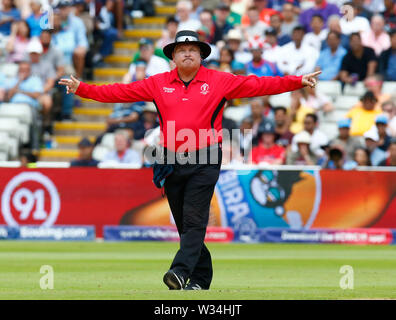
310,206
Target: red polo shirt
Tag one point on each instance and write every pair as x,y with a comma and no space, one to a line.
199,106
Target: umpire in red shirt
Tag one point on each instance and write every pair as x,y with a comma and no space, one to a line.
190,99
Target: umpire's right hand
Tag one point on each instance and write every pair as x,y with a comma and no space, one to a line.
71,84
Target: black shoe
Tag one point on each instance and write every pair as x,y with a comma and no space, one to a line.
194,286
174,281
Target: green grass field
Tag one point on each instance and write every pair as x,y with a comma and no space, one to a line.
134,270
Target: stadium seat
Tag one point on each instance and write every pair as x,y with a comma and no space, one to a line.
334,116
330,129
389,87
8,144
3,155
345,102
20,111
237,113
99,152
330,88
10,70
357,90
4,146
280,100
108,141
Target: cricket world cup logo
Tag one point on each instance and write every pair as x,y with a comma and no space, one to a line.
205,88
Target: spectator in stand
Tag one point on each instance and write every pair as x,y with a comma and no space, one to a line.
256,110
391,159
363,117
85,148
353,23
246,136
169,33
318,138
374,83
333,25
389,110
71,31
226,59
298,111
295,58
147,120
316,100
344,139
371,139
289,19
222,27
318,33
387,60
283,135
24,88
381,123
46,72
34,19
322,8
234,18
81,10
107,29
359,63
3,81
330,58
196,9
51,54
123,152
264,11
303,155
258,66
203,35
256,27
8,14
361,156
271,47
234,42
206,19
183,9
268,111
337,160
376,38
275,28
154,63
279,4
390,14
18,41
267,152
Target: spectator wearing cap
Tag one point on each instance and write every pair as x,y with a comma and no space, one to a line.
46,72
321,7
234,42
359,62
34,19
303,155
9,14
123,154
271,45
376,38
318,138
18,41
295,57
381,123
70,36
318,33
283,135
183,11
222,26
259,66
148,120
267,152
85,148
361,157
289,19
256,27
155,64
387,59
275,30
391,159
330,58
264,12
371,139
363,117
169,33
345,140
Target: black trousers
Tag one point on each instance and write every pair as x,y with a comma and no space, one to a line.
189,190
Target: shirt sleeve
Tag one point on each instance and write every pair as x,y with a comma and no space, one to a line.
253,86
112,93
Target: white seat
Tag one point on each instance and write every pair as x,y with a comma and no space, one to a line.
345,102
4,142
389,87
10,70
330,88
280,100
357,90
9,144
12,126
237,113
3,155
20,111
99,152
108,141
334,116
330,129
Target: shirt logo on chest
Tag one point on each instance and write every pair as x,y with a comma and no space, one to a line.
168,90
205,88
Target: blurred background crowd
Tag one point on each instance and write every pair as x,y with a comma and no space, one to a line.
349,120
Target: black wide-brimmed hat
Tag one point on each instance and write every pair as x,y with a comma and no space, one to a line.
187,37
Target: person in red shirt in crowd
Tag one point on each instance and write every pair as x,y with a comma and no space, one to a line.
190,101
265,12
267,151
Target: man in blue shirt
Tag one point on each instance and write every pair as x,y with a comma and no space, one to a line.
258,65
8,15
387,60
330,58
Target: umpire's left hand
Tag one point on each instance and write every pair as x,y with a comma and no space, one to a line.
71,84
310,79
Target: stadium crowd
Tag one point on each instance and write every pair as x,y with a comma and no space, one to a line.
350,42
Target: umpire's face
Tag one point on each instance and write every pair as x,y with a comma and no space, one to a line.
187,56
